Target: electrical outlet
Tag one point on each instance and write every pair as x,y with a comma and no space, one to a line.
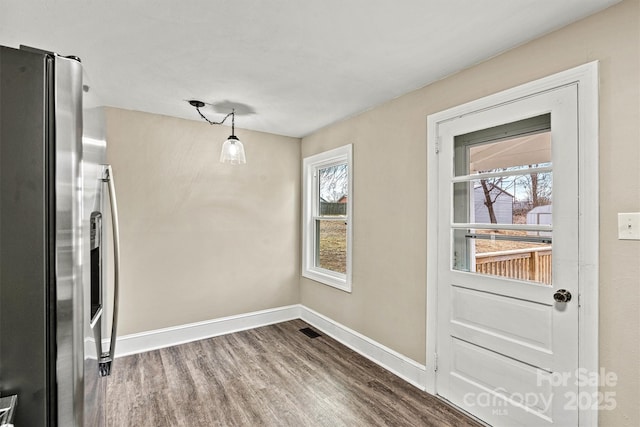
629,226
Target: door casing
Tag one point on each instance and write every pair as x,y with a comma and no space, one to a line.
586,79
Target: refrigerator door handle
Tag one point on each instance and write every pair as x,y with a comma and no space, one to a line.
107,358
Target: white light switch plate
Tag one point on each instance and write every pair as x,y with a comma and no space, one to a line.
629,226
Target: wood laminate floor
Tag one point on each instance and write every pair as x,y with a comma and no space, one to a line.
269,376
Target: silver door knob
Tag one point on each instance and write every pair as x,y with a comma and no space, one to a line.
562,295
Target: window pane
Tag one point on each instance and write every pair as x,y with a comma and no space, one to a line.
522,255
331,238
520,199
504,186
333,188
510,154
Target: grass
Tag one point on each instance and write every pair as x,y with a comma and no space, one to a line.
333,246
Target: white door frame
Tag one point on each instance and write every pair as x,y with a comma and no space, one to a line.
586,79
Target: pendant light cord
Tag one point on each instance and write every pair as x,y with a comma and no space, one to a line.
233,119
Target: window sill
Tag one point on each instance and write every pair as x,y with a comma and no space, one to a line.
326,277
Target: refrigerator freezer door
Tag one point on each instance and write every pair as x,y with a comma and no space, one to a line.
42,311
26,331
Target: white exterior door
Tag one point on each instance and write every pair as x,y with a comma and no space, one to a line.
506,348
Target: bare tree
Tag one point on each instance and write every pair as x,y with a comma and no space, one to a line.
538,187
487,187
492,188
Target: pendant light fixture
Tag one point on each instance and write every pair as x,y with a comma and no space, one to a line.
232,149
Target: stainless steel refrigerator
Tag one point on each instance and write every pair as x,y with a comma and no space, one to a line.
58,225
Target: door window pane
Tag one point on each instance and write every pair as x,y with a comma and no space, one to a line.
504,179
518,199
515,254
512,153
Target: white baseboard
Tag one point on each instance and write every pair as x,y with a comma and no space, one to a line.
407,369
167,337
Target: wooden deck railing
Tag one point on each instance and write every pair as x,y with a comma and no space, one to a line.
524,264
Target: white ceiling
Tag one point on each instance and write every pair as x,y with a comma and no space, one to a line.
292,66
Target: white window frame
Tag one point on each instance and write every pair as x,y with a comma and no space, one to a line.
310,209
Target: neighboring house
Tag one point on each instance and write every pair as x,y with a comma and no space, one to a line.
502,207
343,199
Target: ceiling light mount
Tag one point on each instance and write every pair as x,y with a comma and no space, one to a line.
232,148
197,104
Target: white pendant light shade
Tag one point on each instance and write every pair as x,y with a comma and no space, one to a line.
232,149
233,152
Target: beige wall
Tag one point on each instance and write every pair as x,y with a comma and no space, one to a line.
200,239
389,249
